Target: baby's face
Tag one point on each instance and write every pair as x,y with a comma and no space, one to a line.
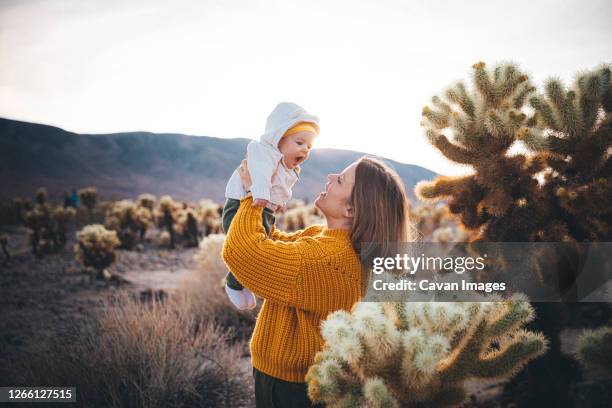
296,148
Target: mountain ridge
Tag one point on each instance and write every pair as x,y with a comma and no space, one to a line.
125,164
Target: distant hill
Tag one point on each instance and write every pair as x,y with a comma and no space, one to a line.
123,165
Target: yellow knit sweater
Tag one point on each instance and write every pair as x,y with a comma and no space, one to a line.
302,277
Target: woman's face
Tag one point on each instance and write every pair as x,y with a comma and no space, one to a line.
334,202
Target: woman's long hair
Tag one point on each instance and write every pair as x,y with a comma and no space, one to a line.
381,213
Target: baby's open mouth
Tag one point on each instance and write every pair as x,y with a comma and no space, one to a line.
298,160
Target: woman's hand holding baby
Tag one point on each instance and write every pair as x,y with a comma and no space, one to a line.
245,176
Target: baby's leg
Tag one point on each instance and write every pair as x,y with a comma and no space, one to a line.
229,212
268,219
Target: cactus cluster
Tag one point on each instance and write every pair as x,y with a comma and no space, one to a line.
96,249
297,215
13,212
542,172
209,214
129,220
419,354
560,189
186,222
89,199
166,216
47,225
595,348
435,223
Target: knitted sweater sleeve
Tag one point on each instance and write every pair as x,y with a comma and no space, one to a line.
279,271
279,235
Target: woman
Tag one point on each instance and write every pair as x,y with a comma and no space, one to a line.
306,275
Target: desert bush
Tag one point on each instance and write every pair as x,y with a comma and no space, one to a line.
42,236
123,217
62,217
41,196
419,354
594,348
166,216
13,212
145,219
48,227
95,249
147,201
187,227
298,216
142,355
205,295
567,132
435,223
209,214
89,198
556,189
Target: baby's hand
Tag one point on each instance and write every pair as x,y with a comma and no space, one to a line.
260,202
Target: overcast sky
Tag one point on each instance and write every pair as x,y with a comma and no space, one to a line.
217,68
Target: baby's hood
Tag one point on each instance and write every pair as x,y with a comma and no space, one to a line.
284,116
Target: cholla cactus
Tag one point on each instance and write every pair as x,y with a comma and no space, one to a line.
61,218
96,249
419,354
558,191
595,348
42,237
89,198
569,135
13,212
145,218
123,217
209,214
146,201
449,234
296,218
41,196
166,216
187,226
434,222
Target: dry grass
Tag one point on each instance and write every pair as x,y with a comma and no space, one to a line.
205,297
152,355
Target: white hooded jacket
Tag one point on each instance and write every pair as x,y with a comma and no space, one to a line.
272,181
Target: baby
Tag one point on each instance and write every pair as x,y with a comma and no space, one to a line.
273,163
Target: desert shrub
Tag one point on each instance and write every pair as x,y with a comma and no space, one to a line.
41,196
209,214
298,215
42,235
595,348
62,217
123,217
205,295
12,212
434,222
166,216
147,201
419,354
555,187
95,249
187,227
89,198
141,355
